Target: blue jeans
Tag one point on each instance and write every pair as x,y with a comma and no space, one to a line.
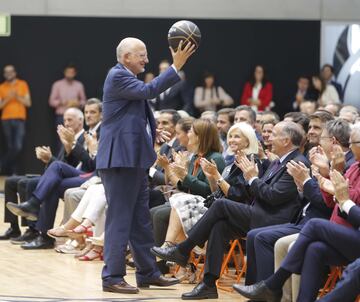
14,131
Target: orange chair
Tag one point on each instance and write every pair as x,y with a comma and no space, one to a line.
240,268
334,276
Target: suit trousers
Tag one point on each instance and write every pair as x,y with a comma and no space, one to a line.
292,285
160,217
260,250
22,185
225,220
320,243
348,287
127,222
57,178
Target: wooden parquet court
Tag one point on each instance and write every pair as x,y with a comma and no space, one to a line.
48,276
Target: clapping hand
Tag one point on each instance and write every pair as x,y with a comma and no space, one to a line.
324,183
249,168
181,158
43,153
162,161
178,170
162,136
341,186
91,142
337,158
209,168
298,171
318,157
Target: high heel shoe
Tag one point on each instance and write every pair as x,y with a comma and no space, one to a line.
96,255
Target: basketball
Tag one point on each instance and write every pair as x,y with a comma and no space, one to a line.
184,30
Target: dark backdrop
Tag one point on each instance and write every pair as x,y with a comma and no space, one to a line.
40,47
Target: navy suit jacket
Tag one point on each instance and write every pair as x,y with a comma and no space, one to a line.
124,139
276,199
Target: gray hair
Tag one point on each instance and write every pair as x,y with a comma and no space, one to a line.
77,112
125,46
294,131
340,129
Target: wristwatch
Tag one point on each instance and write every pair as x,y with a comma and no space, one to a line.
219,181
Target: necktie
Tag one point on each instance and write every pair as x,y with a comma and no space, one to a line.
274,167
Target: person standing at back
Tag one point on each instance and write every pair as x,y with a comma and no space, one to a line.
14,99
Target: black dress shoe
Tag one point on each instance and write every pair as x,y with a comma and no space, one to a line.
10,232
201,291
29,235
161,281
27,209
258,292
122,288
40,242
171,253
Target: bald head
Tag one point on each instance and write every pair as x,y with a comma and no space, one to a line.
126,46
132,54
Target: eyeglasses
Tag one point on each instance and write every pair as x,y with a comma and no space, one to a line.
352,143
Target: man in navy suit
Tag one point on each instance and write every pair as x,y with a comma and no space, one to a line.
321,243
125,153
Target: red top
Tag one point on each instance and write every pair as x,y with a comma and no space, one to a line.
353,174
265,95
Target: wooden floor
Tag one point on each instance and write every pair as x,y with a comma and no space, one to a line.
48,276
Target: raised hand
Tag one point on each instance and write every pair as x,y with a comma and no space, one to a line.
163,161
318,157
91,143
162,136
271,156
178,170
209,168
298,171
249,168
43,153
337,158
341,186
182,54
324,183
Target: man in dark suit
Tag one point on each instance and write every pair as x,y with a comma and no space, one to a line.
321,243
348,287
177,97
125,153
60,176
24,185
165,122
276,200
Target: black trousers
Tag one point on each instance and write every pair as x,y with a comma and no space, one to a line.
22,185
225,220
160,216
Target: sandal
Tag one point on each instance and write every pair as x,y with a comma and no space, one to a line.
58,232
80,231
92,255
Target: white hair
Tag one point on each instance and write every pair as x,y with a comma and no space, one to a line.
77,112
125,46
249,133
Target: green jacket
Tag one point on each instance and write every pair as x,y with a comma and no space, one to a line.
198,184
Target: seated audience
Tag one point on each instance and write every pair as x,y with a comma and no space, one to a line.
210,96
321,243
275,200
349,113
303,93
327,92
327,73
333,108
258,91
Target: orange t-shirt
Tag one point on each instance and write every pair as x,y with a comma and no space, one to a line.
14,109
